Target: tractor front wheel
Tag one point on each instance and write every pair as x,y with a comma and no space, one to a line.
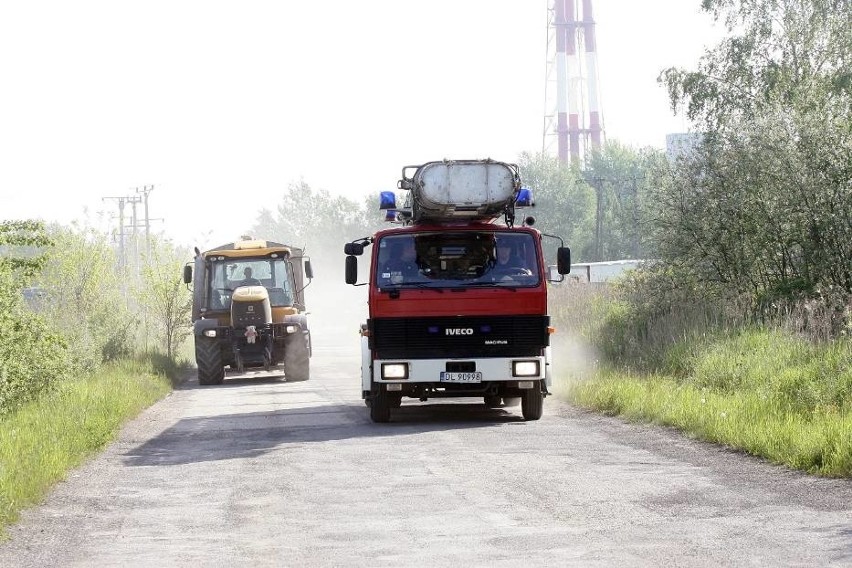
208,358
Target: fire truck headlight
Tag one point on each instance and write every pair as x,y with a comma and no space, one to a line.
525,369
209,333
394,371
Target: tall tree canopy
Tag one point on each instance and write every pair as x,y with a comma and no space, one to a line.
763,204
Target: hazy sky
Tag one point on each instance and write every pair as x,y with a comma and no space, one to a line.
221,105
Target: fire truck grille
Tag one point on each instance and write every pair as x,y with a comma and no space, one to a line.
458,337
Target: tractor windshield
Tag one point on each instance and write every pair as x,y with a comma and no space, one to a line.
458,260
228,274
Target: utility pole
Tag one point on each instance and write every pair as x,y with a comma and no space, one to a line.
596,183
121,256
124,259
636,229
145,191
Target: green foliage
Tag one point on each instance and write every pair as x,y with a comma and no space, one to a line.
564,204
621,178
776,52
764,210
33,357
599,211
797,374
764,206
44,439
86,296
319,223
650,310
164,298
818,441
22,244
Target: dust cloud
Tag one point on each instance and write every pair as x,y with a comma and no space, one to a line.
573,360
335,309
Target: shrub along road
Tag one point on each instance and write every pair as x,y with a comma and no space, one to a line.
262,472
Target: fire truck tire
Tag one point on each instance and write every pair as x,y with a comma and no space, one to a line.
532,403
208,357
511,401
380,407
297,361
492,401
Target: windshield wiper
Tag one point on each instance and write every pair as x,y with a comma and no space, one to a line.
396,287
485,283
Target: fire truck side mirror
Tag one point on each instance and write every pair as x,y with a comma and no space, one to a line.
351,269
563,260
356,249
187,274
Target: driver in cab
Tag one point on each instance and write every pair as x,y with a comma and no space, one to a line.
248,279
507,263
402,266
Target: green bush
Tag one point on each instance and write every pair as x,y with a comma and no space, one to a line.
33,357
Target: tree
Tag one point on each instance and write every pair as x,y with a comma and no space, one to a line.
164,297
564,204
777,52
22,246
763,205
620,177
84,295
317,221
33,357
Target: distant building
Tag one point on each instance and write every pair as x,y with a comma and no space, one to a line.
682,144
600,272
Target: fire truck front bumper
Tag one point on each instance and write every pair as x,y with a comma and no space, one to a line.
463,377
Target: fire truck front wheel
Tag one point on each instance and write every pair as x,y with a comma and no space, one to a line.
380,405
532,403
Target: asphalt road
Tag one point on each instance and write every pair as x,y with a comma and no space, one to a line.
261,472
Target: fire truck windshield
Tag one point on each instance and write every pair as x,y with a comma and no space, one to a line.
460,259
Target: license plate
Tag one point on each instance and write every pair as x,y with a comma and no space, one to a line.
475,377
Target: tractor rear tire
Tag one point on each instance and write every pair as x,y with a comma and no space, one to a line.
532,403
297,360
208,357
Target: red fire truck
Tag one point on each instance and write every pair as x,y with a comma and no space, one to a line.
457,292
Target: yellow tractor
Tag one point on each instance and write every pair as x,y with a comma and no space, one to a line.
248,309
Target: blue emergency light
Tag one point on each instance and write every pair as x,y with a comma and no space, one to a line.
525,198
387,200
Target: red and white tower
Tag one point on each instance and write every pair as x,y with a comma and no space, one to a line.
574,113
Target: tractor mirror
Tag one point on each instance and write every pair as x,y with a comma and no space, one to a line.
309,271
187,274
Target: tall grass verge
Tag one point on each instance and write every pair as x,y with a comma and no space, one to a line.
44,439
770,390
817,442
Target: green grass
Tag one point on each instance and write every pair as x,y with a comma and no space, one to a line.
43,440
765,392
